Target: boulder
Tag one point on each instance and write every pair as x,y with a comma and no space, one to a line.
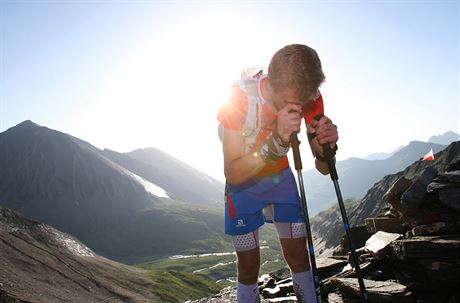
447,186
443,247
391,225
378,291
413,197
437,228
379,242
394,194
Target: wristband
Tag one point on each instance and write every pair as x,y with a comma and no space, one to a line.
280,141
271,150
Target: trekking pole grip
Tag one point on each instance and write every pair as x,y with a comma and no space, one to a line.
296,151
329,156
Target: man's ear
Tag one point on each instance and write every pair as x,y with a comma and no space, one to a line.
268,86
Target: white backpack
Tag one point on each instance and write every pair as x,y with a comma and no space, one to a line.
249,84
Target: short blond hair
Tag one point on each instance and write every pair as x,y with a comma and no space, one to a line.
296,66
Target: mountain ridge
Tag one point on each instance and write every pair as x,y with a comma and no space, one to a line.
357,175
69,184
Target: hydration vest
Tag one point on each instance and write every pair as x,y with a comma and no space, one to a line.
249,84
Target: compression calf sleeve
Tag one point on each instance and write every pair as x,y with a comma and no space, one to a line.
247,293
304,287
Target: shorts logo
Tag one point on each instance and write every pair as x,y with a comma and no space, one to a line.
240,223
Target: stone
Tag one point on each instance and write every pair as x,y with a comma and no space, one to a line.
413,197
281,274
393,195
360,253
326,285
328,265
378,243
340,297
445,247
378,291
450,197
391,225
445,271
359,235
437,228
289,299
280,290
447,185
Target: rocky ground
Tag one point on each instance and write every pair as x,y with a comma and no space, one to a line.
410,252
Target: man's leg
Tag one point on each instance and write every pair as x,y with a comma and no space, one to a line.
248,264
293,242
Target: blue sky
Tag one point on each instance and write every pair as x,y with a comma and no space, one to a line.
131,74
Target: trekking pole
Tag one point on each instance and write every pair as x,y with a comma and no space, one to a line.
298,166
328,155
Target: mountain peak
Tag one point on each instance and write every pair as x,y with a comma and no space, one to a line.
27,124
445,139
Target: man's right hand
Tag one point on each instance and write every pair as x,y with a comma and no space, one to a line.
289,120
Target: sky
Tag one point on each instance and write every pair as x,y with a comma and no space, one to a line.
124,75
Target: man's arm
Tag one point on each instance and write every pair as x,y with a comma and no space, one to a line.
238,166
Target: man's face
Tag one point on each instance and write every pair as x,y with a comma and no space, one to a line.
289,95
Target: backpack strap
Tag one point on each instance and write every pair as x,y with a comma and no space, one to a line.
249,84
253,123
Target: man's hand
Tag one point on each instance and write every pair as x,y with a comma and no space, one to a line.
289,120
325,132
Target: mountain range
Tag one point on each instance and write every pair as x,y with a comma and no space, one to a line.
145,204
444,139
60,180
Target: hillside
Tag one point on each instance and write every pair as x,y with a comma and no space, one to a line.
358,175
60,180
42,264
181,181
327,225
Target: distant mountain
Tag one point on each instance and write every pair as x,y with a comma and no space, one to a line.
445,139
382,156
180,180
357,175
65,182
328,226
43,264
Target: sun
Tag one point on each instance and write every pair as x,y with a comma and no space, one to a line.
171,84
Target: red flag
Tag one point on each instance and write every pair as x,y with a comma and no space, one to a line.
429,156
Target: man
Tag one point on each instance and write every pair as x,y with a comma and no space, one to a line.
260,184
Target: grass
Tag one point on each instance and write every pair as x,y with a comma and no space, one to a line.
183,279
178,286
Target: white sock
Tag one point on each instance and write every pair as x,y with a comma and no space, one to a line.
304,287
247,293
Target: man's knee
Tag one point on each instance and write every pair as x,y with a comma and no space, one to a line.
295,254
297,263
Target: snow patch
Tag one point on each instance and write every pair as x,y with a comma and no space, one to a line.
72,245
150,187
